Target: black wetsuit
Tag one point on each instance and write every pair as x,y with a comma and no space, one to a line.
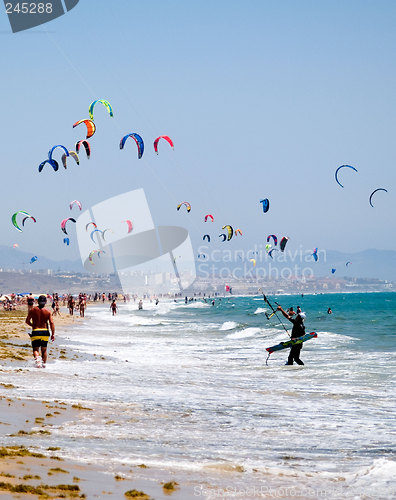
298,330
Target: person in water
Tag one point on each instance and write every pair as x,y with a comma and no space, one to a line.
298,330
113,307
329,311
140,305
41,322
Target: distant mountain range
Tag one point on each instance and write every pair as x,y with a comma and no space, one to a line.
373,264
13,258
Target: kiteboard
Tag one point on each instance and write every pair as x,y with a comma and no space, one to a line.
291,343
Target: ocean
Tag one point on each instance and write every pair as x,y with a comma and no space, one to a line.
186,387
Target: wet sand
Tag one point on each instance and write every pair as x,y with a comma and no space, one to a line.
26,471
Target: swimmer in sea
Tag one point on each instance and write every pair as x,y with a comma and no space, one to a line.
113,307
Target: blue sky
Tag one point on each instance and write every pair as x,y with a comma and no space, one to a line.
263,99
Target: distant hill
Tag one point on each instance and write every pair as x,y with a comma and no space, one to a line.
372,264
13,258
25,282
376,264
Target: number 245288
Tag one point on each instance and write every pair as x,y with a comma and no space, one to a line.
29,8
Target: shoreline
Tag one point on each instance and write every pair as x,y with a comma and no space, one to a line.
36,458
27,471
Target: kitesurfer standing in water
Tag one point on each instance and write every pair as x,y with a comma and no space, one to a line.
298,330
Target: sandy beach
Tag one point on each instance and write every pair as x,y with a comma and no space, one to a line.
26,472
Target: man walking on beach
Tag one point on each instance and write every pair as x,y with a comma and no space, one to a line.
82,298
40,320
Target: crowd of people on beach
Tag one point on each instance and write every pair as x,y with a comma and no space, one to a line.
14,301
74,303
77,304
